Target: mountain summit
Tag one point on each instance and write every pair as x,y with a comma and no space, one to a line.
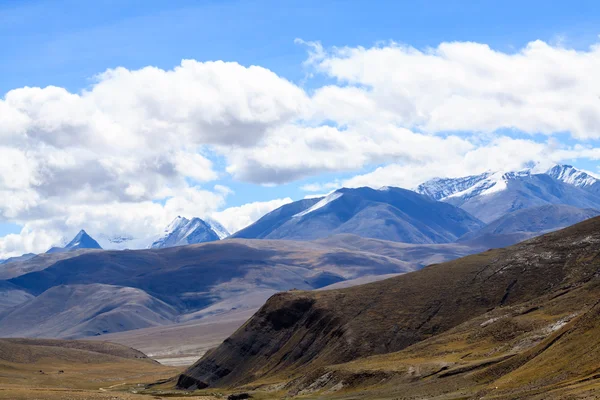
492,195
573,176
183,231
81,241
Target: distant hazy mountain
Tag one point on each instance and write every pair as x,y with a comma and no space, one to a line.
81,241
23,257
390,214
529,222
85,310
11,296
490,196
183,231
37,263
196,281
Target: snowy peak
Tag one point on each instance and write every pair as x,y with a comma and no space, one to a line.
572,176
183,231
176,224
490,196
219,229
81,241
470,186
443,189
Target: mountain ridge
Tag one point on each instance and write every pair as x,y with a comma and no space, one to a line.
491,195
391,214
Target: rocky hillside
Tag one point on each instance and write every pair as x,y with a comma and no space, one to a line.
496,318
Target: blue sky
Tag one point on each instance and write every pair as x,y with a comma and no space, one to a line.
64,43
67,43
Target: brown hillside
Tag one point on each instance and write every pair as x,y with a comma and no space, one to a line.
497,305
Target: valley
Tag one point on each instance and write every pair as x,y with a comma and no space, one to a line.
299,200
388,293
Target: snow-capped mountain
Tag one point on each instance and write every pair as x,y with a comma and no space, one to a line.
389,213
81,241
442,189
184,231
573,176
491,195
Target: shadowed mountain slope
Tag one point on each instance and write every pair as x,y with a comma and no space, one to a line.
270,222
193,277
73,311
39,262
11,296
110,291
531,222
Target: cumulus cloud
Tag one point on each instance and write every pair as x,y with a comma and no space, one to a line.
134,145
236,218
138,147
464,86
398,105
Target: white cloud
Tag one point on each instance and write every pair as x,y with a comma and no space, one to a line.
102,158
127,154
236,218
503,154
464,86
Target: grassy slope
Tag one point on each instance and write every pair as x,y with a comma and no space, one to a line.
31,368
522,319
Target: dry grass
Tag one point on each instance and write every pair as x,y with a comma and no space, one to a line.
53,369
521,322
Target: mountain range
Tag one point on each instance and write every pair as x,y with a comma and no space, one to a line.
489,196
496,209
97,292
196,270
441,210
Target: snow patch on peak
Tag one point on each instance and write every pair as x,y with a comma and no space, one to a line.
178,222
444,188
183,231
219,229
322,203
571,175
